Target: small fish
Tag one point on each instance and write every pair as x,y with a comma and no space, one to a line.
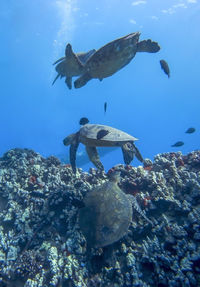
83,121
102,133
105,107
165,67
178,144
190,131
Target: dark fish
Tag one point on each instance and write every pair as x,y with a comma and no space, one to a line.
165,67
102,133
105,107
178,144
190,130
83,121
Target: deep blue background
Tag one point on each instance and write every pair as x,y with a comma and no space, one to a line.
141,99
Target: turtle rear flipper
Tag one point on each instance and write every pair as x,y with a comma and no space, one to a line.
128,152
148,46
138,154
72,152
94,157
68,82
82,81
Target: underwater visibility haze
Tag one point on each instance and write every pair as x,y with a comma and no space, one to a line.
140,99
103,74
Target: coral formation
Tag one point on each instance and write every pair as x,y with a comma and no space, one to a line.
41,243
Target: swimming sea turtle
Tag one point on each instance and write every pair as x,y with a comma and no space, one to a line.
114,56
107,213
94,135
71,65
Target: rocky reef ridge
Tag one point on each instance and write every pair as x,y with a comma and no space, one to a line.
41,243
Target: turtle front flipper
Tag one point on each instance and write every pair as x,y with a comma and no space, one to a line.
72,152
59,60
68,82
128,152
148,46
94,157
82,81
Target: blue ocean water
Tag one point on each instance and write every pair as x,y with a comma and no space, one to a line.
141,100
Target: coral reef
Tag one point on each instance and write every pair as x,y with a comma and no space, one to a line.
41,243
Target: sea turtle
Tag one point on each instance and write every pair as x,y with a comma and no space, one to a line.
114,56
71,65
107,213
94,135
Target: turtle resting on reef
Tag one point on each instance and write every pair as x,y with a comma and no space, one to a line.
114,56
71,65
94,135
107,213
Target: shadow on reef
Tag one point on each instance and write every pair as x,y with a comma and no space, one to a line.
41,242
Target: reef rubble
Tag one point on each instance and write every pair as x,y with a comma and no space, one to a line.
41,243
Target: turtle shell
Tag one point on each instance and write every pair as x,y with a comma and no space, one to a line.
102,135
113,56
106,216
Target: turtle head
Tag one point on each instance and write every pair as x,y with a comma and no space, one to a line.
68,50
83,121
115,176
69,139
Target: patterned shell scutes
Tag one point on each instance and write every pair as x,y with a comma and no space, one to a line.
113,56
117,46
108,212
90,131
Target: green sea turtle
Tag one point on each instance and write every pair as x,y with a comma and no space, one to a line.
107,213
71,65
114,56
95,135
